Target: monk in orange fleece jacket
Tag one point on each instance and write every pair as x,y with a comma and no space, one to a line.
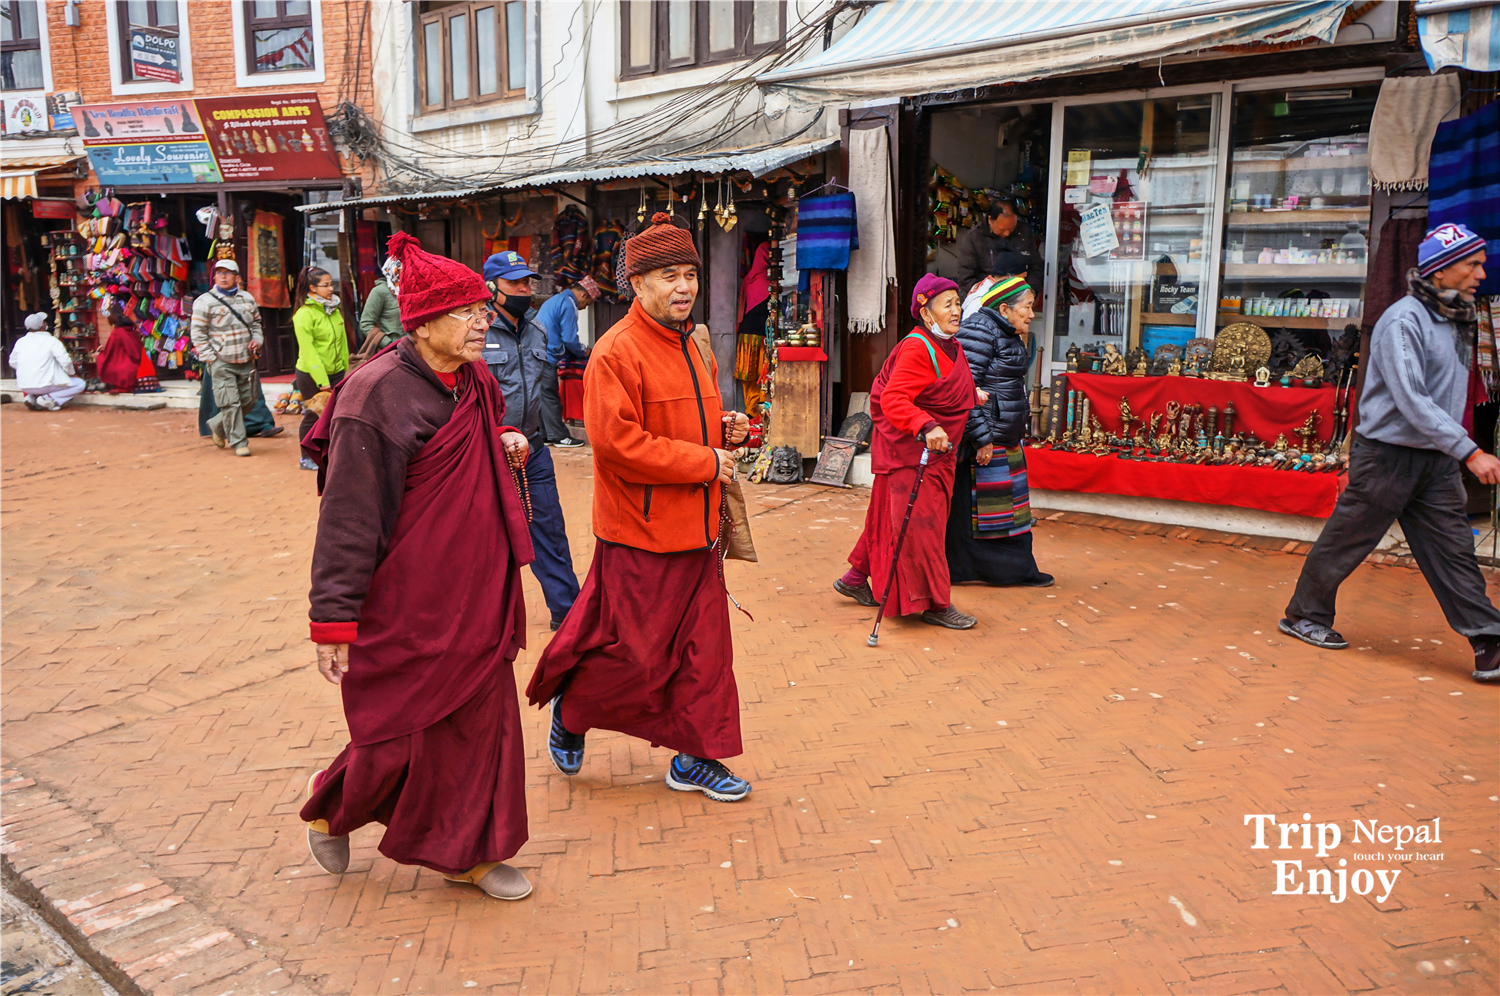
646,648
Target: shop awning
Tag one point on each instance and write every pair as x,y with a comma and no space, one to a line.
908,47
1460,33
757,162
18,176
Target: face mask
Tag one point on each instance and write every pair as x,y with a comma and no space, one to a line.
517,304
937,332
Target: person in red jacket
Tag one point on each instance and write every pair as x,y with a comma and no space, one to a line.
646,648
921,398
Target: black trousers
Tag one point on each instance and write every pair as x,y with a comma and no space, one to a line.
1424,491
304,382
553,426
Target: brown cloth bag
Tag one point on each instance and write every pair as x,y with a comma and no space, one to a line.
741,545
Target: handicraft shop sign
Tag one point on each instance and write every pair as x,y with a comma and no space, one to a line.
211,140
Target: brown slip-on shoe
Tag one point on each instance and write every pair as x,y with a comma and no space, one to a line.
330,852
863,595
496,879
216,430
950,618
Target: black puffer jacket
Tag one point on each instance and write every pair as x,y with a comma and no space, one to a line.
998,359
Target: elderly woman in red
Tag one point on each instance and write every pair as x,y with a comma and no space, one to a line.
921,398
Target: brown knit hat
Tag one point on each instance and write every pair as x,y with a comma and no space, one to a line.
663,244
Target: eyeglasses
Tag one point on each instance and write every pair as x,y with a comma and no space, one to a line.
476,321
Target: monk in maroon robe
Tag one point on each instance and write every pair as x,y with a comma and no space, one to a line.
416,595
920,399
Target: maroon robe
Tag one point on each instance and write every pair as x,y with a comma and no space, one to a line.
120,360
436,752
922,580
646,651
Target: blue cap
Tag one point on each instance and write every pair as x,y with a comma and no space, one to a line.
1446,244
507,265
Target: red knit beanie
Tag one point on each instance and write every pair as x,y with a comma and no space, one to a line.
661,245
431,285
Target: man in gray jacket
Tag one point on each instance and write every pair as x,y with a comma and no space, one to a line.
226,334
1404,465
515,350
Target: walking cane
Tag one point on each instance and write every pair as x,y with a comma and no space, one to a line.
911,503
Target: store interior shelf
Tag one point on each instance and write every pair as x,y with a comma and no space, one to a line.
1167,318
1286,321
1253,219
1293,271
1299,165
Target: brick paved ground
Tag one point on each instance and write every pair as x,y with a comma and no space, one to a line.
1052,802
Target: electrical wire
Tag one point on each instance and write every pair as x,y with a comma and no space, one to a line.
411,164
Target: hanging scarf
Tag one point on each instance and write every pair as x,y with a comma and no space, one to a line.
1449,306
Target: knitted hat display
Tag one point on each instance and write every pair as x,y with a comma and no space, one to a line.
661,245
431,285
929,287
1446,244
1007,289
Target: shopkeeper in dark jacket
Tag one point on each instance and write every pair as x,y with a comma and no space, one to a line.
515,350
989,522
1404,465
1003,248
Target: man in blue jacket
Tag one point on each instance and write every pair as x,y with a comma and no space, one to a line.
1404,466
559,318
515,350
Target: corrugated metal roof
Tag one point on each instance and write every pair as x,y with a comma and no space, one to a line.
757,162
13,163
18,176
907,47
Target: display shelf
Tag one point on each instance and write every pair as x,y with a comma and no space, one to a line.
1311,216
1167,318
1286,271
1299,165
1286,321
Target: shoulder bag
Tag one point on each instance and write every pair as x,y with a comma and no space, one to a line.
740,544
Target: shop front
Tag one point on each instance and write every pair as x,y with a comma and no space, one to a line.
178,183
1205,231
766,318
36,204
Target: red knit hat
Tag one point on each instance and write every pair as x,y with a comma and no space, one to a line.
431,285
663,244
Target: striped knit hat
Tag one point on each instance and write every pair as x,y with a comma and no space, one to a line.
1446,244
1004,290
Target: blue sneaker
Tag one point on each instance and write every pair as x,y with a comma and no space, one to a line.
565,749
698,774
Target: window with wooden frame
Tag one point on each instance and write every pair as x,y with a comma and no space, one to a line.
279,36
664,35
156,24
470,53
20,45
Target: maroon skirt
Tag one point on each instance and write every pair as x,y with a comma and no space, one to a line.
646,651
451,795
922,580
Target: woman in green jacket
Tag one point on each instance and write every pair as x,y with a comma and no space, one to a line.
322,342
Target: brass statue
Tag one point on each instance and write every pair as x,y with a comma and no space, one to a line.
1263,376
1126,417
1140,369
1308,428
1281,445
1310,367
1114,363
1175,369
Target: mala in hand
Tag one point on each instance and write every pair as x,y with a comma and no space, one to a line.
523,488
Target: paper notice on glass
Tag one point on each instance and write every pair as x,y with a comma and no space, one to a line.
1097,229
1075,195
1080,164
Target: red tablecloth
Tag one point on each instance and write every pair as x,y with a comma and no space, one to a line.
1247,487
1264,411
786,354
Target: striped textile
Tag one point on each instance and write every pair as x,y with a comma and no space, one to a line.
1464,181
1001,498
826,230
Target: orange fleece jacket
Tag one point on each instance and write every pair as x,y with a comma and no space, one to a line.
654,418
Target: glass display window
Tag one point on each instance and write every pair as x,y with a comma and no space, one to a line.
1135,223
1297,210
